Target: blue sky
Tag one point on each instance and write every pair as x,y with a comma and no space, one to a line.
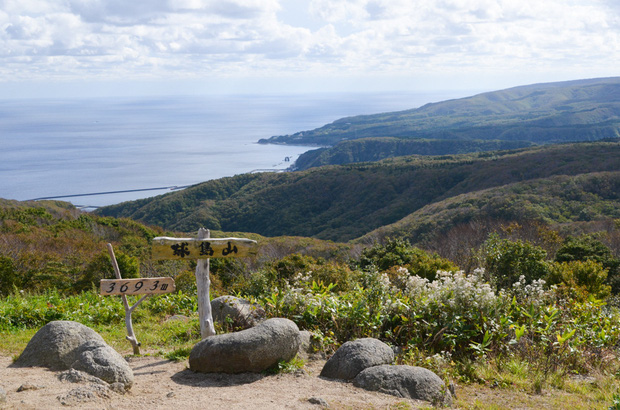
147,47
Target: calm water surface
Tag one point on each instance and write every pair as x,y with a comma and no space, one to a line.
70,147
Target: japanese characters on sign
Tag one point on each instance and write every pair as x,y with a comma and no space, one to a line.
191,248
138,286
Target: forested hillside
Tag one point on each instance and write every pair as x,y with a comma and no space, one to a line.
375,149
583,110
341,203
570,204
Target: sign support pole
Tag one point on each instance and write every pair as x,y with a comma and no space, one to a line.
128,310
203,283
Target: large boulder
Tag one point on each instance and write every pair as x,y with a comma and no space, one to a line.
241,313
355,356
63,345
405,381
55,345
251,350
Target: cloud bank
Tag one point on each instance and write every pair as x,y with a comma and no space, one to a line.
193,39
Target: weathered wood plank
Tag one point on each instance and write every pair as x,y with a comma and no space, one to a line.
194,248
137,286
203,283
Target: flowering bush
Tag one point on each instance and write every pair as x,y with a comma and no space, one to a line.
447,314
456,315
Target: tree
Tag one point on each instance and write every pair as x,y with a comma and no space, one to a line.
506,261
399,252
7,275
101,268
588,248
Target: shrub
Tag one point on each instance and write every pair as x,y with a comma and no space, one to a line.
447,314
7,275
506,261
399,252
589,277
295,270
588,248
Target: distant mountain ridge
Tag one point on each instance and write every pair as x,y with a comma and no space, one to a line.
580,110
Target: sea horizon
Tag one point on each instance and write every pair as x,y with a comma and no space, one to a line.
69,147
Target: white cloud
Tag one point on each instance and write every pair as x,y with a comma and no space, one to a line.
52,39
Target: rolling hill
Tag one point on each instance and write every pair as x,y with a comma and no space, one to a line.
376,149
341,203
581,110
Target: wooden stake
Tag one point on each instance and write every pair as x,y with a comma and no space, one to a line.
128,310
203,282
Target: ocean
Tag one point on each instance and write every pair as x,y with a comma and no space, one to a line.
74,148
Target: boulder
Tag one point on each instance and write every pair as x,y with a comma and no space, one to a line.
63,345
354,356
405,381
2,395
251,350
103,362
55,345
240,312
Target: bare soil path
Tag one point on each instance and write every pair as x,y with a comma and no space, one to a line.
164,384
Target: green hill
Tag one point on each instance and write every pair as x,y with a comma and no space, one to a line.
583,110
376,149
341,203
557,200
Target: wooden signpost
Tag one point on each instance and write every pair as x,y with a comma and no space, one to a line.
202,248
139,286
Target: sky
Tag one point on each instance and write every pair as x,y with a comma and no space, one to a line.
52,48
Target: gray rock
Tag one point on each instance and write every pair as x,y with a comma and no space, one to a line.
305,339
63,345
309,345
28,387
103,362
76,376
405,381
241,313
2,395
318,401
354,356
118,387
55,345
84,394
251,350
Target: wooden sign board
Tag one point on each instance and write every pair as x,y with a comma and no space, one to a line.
138,286
193,248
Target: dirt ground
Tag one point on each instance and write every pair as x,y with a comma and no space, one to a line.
163,384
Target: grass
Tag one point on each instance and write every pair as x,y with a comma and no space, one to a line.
490,383
288,366
513,384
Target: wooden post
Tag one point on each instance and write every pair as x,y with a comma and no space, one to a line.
202,249
203,283
128,310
